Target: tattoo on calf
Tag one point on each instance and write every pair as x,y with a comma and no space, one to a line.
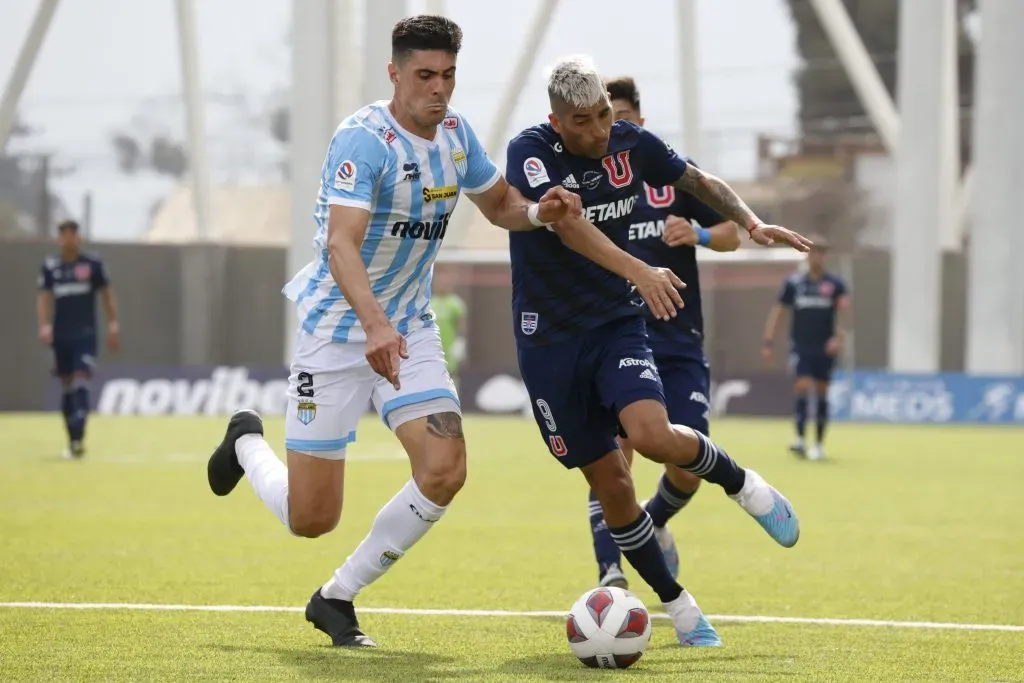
445,425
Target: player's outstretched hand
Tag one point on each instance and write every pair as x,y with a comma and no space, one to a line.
679,232
385,349
558,204
767,235
660,289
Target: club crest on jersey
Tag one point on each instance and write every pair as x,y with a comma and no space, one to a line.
450,122
528,323
459,159
306,412
826,289
660,197
536,174
620,173
389,134
591,179
83,272
345,177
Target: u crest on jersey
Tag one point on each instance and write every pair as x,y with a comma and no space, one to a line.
660,197
620,173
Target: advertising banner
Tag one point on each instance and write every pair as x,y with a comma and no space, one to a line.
220,390
945,398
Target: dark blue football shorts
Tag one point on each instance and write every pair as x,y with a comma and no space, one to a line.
74,356
577,388
686,378
817,366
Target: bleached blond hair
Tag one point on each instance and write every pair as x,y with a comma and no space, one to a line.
575,81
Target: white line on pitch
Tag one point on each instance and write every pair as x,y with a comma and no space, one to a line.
721,618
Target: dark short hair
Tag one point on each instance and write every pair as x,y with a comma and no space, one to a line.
624,88
70,226
425,32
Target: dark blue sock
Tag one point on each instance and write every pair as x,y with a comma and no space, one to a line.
666,502
638,544
800,415
605,550
67,407
80,404
822,417
714,465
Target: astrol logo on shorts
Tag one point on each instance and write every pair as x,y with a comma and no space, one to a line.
636,362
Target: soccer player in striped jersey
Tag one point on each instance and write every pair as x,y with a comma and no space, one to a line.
580,332
661,234
392,175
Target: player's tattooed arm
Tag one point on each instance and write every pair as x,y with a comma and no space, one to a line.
718,195
445,425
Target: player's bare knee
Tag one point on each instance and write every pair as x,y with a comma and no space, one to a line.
654,440
313,523
444,471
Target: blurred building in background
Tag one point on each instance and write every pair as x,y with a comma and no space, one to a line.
197,182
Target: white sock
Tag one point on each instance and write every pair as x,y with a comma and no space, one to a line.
397,527
756,495
684,612
267,474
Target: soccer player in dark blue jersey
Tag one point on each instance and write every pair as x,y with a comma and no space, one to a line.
580,331
69,283
820,302
661,234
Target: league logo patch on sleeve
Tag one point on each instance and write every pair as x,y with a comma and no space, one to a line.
345,177
535,172
450,122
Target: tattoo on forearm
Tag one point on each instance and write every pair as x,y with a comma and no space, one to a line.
445,425
718,195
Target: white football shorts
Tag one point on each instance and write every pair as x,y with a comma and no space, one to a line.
331,386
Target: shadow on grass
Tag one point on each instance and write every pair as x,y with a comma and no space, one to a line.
323,662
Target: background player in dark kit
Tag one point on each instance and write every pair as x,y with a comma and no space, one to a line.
661,234
820,303
69,283
580,332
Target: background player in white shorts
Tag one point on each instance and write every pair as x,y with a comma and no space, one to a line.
392,176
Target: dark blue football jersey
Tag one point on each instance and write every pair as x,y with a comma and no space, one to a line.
556,293
684,334
814,304
74,285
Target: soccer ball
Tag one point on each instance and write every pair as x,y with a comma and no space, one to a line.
608,628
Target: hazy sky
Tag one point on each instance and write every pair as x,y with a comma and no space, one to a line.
113,65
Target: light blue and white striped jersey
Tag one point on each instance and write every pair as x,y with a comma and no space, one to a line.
410,187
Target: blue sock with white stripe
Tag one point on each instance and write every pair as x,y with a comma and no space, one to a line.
714,465
605,550
641,549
